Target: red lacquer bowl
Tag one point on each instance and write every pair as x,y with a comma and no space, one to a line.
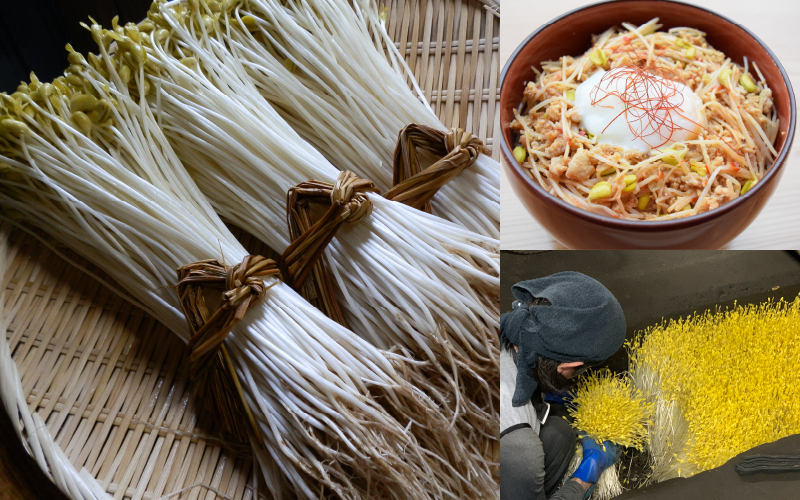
570,34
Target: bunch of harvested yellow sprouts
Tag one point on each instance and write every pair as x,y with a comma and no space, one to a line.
606,407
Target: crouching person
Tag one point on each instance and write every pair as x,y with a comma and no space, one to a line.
560,325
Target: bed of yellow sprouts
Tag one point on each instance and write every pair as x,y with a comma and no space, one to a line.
728,381
607,407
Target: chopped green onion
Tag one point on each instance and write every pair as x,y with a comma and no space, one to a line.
725,77
671,160
699,168
599,58
676,155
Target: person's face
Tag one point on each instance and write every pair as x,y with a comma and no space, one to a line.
555,376
572,369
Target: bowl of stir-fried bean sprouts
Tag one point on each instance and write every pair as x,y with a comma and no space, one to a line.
690,180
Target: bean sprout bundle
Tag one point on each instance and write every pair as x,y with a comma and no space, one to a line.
334,74
86,163
731,152
407,278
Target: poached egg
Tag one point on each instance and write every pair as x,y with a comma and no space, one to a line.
635,111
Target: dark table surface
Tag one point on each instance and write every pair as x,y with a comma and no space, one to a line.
20,476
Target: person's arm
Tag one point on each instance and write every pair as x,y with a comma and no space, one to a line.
573,489
522,469
521,465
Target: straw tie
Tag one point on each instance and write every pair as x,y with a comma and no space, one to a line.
210,366
311,233
350,193
345,201
415,187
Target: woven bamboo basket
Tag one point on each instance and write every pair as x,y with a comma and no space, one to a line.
98,388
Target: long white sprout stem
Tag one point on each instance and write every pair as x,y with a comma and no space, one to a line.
319,63
335,415
407,278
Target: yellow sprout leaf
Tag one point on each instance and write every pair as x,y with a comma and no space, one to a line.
608,408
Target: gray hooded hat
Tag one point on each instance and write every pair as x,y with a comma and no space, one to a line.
583,323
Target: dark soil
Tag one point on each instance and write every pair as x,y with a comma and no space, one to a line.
634,468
